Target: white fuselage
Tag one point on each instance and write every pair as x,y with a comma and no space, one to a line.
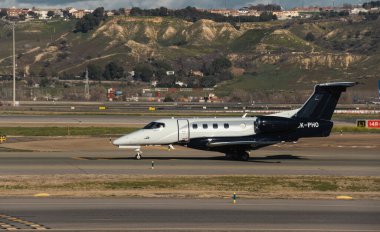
170,131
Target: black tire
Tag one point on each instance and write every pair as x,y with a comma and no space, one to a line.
244,156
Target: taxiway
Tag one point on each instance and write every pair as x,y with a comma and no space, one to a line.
189,215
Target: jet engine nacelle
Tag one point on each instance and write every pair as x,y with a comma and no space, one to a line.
273,124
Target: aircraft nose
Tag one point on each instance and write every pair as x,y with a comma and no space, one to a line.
120,141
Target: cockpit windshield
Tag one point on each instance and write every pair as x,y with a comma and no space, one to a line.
154,125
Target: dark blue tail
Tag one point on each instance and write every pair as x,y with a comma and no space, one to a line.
322,103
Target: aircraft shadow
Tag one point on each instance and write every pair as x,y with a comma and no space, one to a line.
265,159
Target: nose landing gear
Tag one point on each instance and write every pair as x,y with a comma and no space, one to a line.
138,155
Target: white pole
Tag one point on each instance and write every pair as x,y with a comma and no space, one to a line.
14,66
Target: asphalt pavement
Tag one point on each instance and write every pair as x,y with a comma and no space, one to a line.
189,215
268,161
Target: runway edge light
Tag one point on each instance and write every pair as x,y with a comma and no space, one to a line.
344,198
42,195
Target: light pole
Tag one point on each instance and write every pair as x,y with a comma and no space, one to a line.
13,25
14,64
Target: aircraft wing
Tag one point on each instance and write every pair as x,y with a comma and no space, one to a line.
235,143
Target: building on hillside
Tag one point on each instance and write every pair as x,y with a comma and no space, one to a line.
358,10
14,12
42,14
224,12
196,73
306,9
154,83
283,15
71,10
78,14
170,73
254,13
125,11
181,84
244,10
110,13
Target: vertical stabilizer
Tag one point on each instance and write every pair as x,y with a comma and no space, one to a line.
322,103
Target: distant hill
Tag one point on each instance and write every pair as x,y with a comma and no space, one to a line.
270,60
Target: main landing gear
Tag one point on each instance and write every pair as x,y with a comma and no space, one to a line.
138,155
242,156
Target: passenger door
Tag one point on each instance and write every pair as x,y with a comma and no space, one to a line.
183,130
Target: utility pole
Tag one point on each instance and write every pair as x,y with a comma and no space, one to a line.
87,87
14,65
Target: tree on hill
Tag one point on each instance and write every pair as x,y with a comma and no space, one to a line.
33,14
310,37
113,71
3,13
217,66
166,82
44,82
371,16
267,16
90,21
269,7
143,72
95,72
192,14
50,13
371,4
22,17
209,81
136,11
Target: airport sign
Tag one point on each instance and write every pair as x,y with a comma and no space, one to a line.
373,123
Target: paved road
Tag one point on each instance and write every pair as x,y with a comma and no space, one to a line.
349,154
85,120
75,120
269,161
189,215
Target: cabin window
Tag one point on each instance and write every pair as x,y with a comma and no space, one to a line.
205,126
215,126
226,125
195,126
154,125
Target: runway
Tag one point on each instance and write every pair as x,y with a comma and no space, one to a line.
347,155
189,215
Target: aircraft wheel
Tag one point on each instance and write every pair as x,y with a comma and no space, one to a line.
138,156
244,156
235,156
229,156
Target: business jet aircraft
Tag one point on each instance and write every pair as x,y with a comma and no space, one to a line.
237,136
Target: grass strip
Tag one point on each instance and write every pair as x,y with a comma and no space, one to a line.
354,129
246,185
